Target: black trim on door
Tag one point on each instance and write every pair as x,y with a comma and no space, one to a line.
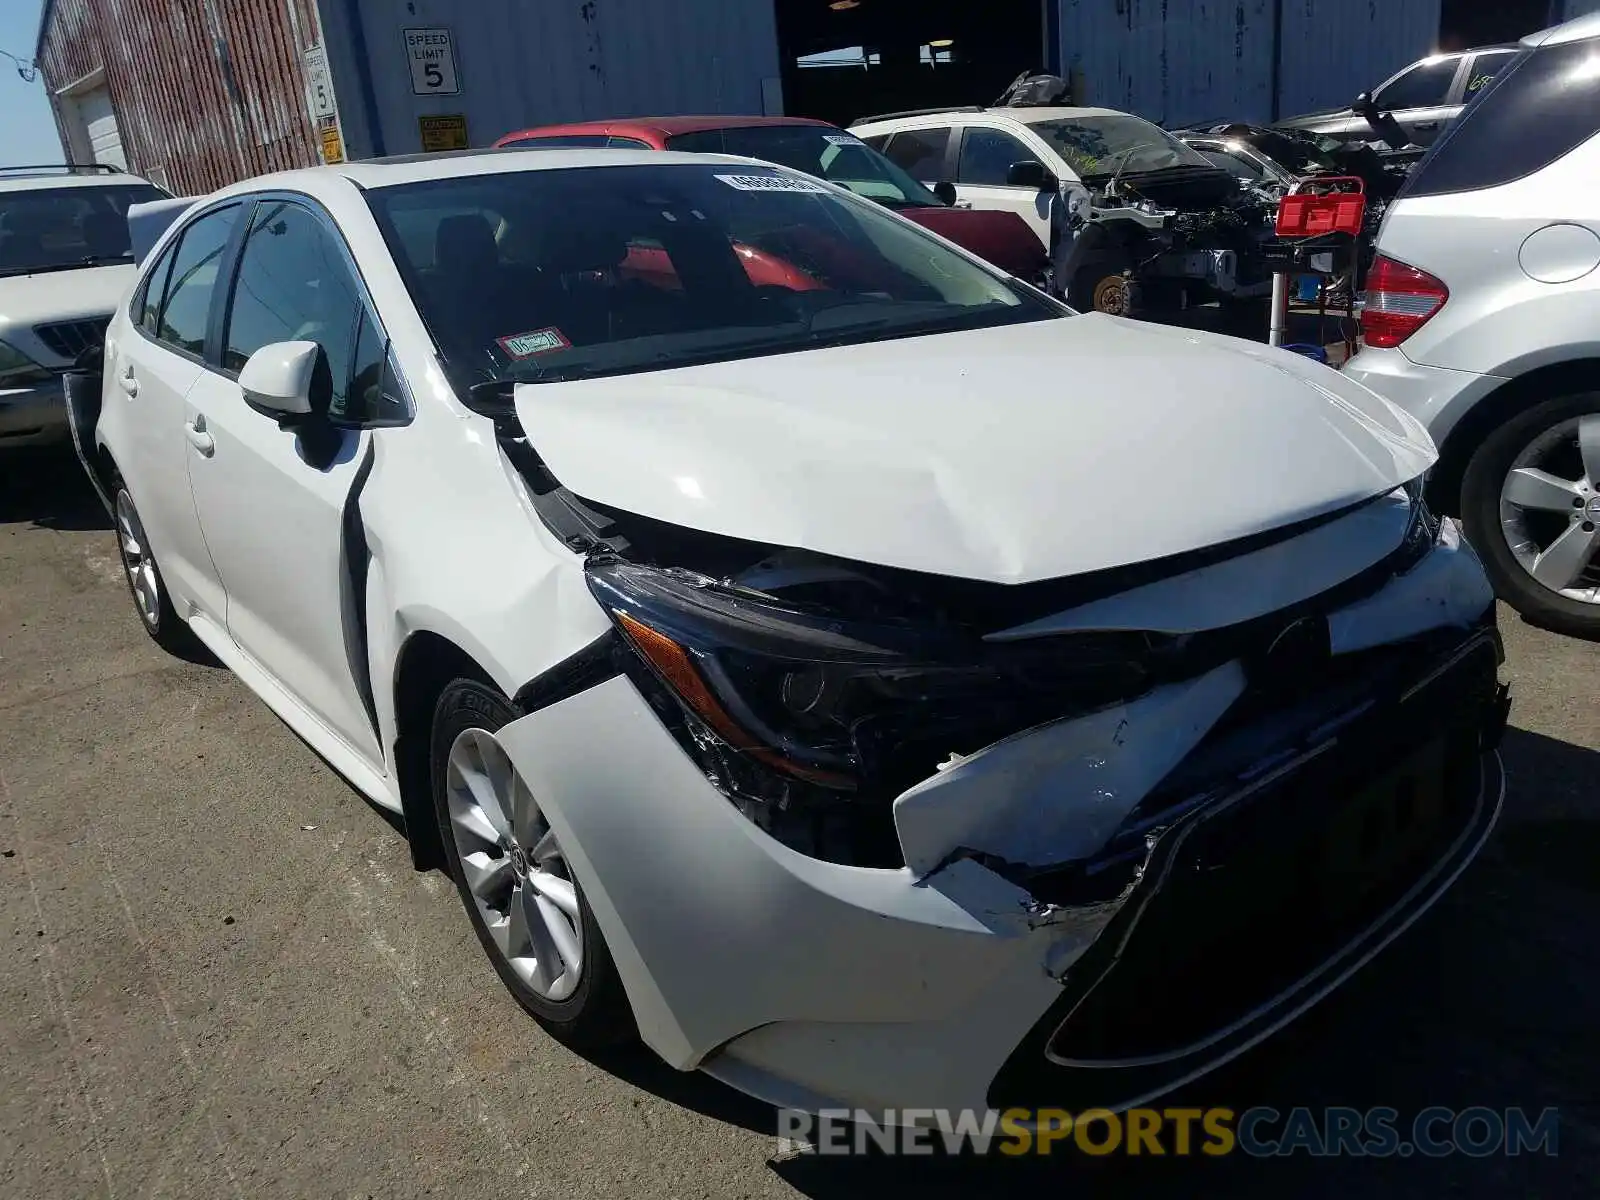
356,555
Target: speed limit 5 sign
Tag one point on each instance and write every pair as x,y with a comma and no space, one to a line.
432,57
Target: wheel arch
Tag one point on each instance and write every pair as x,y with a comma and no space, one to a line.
1488,414
425,665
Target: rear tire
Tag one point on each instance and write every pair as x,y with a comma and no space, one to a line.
1498,527
146,585
555,962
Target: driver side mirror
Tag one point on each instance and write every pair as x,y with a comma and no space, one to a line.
1362,104
277,380
946,191
1031,174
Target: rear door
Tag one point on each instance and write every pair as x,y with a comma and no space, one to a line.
272,499
150,372
983,162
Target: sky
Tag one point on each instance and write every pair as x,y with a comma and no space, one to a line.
27,132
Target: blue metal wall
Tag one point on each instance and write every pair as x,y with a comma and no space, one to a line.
535,62
1184,61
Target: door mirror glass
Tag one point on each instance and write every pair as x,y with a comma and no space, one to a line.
1030,173
946,191
278,378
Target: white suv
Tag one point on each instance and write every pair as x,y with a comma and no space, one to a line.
64,263
1483,320
1114,198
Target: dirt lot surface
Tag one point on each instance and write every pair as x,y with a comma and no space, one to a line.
222,978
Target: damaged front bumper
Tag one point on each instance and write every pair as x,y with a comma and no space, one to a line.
1260,840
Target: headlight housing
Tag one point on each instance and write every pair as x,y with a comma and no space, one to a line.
811,724
18,370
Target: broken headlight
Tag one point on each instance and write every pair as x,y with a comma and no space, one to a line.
811,724
1422,532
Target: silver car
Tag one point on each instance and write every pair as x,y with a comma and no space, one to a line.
1424,97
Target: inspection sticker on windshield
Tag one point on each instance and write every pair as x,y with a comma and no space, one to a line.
841,139
770,183
540,341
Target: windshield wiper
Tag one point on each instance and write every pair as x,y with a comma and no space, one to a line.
90,260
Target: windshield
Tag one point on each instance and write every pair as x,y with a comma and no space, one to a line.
56,229
819,150
537,276
1104,145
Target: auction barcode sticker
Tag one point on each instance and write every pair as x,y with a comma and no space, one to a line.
841,139
770,183
539,341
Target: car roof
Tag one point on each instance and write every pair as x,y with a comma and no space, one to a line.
1576,30
662,126
377,173
1023,116
29,179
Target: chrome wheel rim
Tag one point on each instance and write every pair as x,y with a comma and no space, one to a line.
513,867
136,561
1550,509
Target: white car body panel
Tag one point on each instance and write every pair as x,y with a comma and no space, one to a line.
787,450
794,978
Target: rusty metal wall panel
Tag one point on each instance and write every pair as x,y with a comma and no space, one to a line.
1331,51
524,64
1172,61
206,92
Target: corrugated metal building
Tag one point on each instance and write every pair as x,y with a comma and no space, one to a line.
197,93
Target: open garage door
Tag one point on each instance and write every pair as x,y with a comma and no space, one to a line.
98,123
847,59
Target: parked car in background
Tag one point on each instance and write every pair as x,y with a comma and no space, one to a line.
746,652
1423,98
1134,218
64,263
819,149
1482,319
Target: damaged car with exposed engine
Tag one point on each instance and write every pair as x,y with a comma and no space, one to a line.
885,688
1134,219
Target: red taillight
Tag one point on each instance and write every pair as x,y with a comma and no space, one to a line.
1400,301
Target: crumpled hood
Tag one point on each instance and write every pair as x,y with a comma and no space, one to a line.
1006,455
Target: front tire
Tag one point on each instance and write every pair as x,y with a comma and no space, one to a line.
1530,501
528,911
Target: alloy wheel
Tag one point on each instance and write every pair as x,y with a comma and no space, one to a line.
137,562
1550,508
513,867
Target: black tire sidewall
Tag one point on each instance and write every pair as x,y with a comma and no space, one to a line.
170,631
1480,513
587,1017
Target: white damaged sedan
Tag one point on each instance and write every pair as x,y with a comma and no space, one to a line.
809,650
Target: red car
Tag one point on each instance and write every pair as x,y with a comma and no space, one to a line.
819,149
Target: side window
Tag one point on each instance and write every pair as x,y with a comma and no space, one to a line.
987,155
1484,68
919,153
625,143
186,309
146,307
1425,84
293,285
877,141
374,396
1535,111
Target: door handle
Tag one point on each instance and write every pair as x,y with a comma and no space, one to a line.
128,383
202,441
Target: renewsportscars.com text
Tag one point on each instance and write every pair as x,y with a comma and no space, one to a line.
1261,1132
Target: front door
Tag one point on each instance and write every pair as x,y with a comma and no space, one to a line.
982,166
272,499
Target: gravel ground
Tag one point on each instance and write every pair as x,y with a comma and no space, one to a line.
222,978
